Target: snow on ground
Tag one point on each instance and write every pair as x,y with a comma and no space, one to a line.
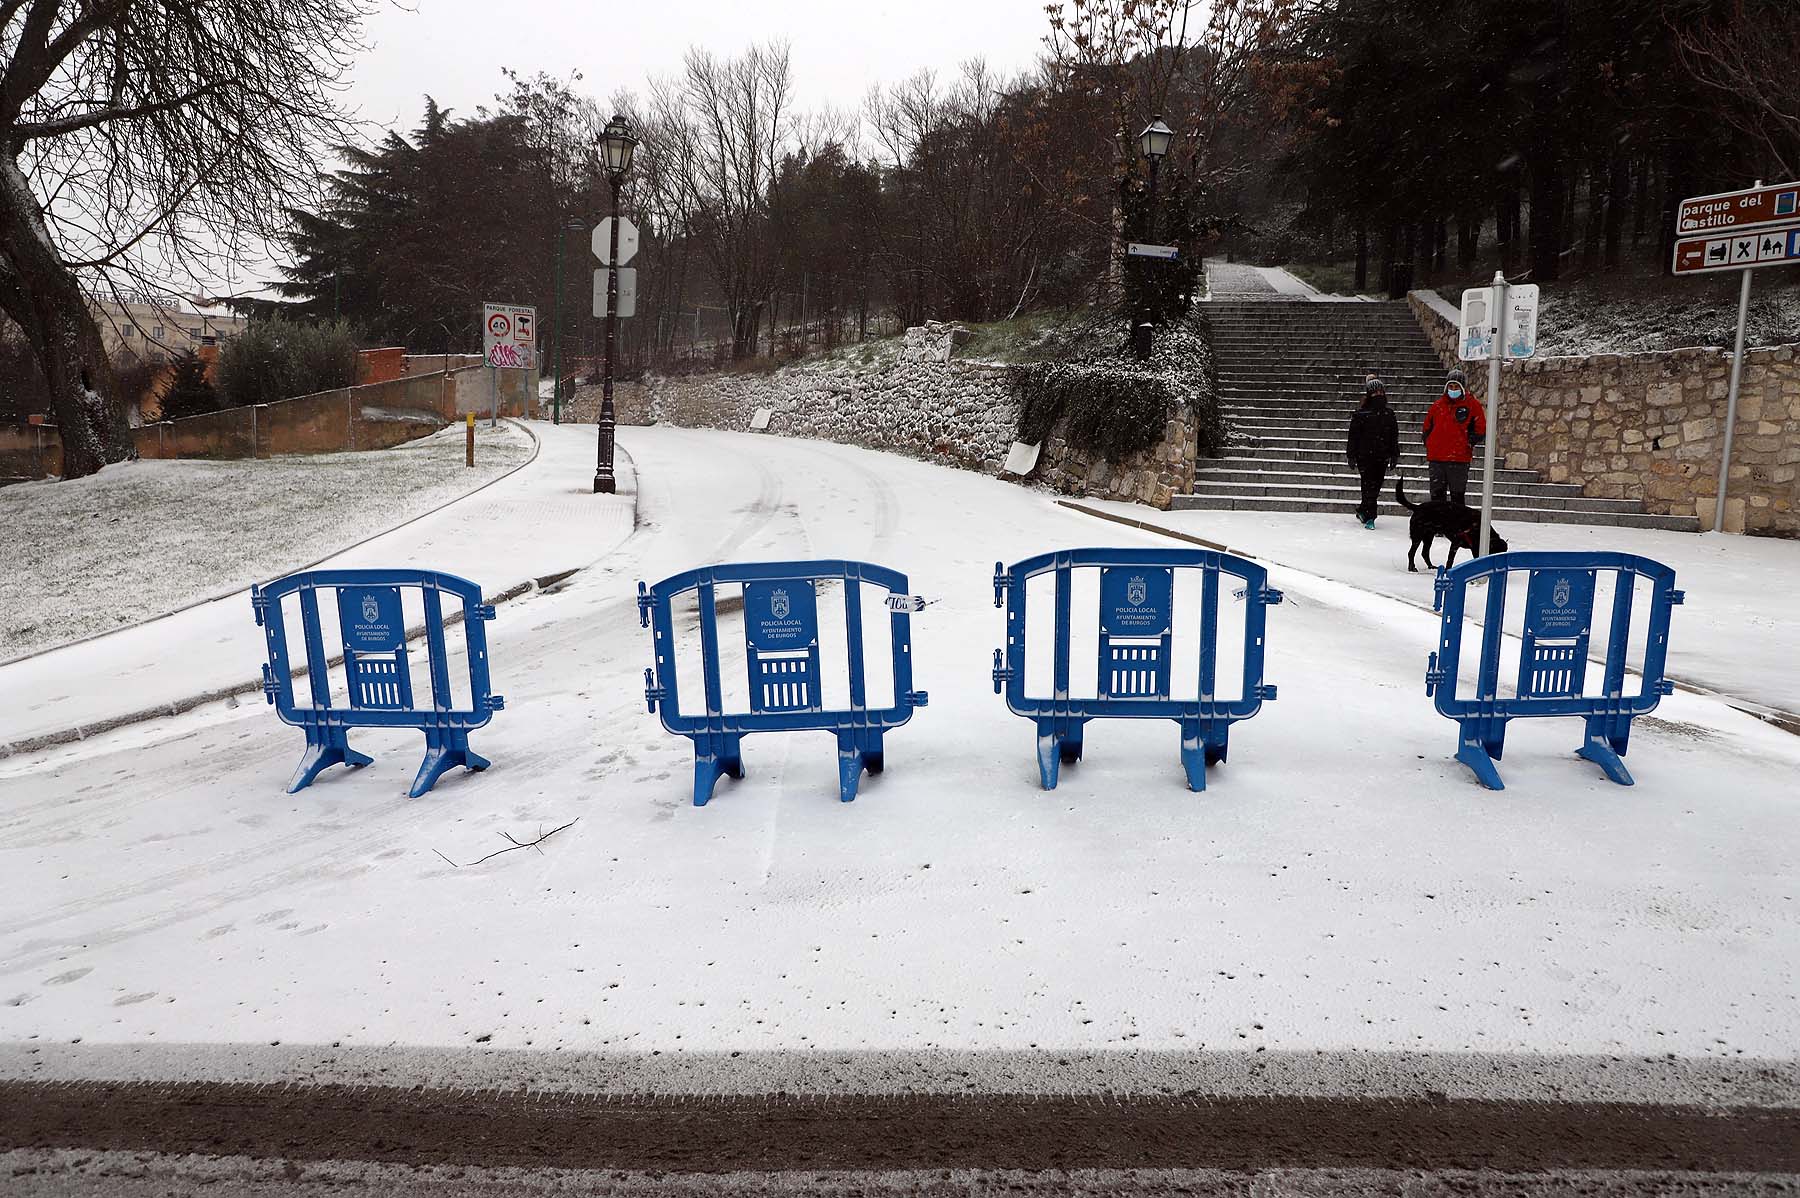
143,538
538,521
1620,315
1342,884
1736,634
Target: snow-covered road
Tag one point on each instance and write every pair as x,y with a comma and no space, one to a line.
1342,884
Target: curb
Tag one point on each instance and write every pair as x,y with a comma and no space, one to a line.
1787,721
536,446
546,583
68,736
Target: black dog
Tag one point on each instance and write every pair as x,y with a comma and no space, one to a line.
1457,523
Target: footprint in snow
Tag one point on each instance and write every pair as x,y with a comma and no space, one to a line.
221,930
19,1000
73,975
272,916
129,1000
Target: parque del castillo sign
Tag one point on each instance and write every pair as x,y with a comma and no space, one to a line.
1738,209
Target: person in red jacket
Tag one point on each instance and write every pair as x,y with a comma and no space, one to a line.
1454,426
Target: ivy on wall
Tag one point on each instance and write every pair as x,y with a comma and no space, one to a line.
1114,405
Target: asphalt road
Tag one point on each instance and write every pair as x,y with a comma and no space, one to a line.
59,1138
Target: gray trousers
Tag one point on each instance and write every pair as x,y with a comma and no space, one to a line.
1449,480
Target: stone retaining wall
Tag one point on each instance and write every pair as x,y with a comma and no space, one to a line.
1649,426
911,398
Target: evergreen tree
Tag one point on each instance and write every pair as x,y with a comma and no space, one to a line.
188,391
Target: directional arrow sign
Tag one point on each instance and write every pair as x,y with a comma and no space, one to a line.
1139,249
1777,246
628,240
627,290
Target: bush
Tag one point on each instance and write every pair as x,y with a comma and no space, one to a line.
1112,404
279,359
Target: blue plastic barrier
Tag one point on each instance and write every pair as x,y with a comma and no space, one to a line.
1553,658
1136,630
781,635
376,673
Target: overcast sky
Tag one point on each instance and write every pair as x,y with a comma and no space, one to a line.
454,49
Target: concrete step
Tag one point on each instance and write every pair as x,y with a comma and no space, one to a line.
1314,411
1338,418
1329,367
1352,378
1339,371
1263,429
1287,343
1312,314
1305,438
1502,514
1240,474
1413,466
1400,399
1302,335
1327,488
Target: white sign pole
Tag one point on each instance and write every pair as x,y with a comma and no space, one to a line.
1493,411
1731,398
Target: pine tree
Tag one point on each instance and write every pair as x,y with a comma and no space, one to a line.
188,391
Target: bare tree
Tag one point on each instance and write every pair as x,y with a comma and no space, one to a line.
140,140
729,123
1748,60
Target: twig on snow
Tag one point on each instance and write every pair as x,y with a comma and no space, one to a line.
542,836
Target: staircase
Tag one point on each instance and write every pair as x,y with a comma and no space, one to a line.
1290,374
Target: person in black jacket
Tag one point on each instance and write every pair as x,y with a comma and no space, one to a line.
1373,446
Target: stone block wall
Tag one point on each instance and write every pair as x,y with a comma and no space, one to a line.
1649,426
913,399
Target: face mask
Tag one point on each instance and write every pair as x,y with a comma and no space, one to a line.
1455,393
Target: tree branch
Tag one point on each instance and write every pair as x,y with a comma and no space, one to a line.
516,844
26,130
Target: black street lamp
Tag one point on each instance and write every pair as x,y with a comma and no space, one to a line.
1153,143
556,321
616,147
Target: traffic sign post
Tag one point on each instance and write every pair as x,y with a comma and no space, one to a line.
623,284
1745,230
625,249
508,339
615,242
1498,323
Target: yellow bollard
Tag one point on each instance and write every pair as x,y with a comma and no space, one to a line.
471,439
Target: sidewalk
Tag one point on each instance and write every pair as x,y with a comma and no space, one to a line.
541,520
1232,281
1734,635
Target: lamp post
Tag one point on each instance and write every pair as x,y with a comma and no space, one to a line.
616,147
570,226
1153,143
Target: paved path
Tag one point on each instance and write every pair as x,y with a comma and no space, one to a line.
540,520
1236,281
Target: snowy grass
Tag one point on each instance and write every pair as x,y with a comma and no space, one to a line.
141,539
1613,314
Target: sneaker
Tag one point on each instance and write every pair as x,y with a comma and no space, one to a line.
1369,524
